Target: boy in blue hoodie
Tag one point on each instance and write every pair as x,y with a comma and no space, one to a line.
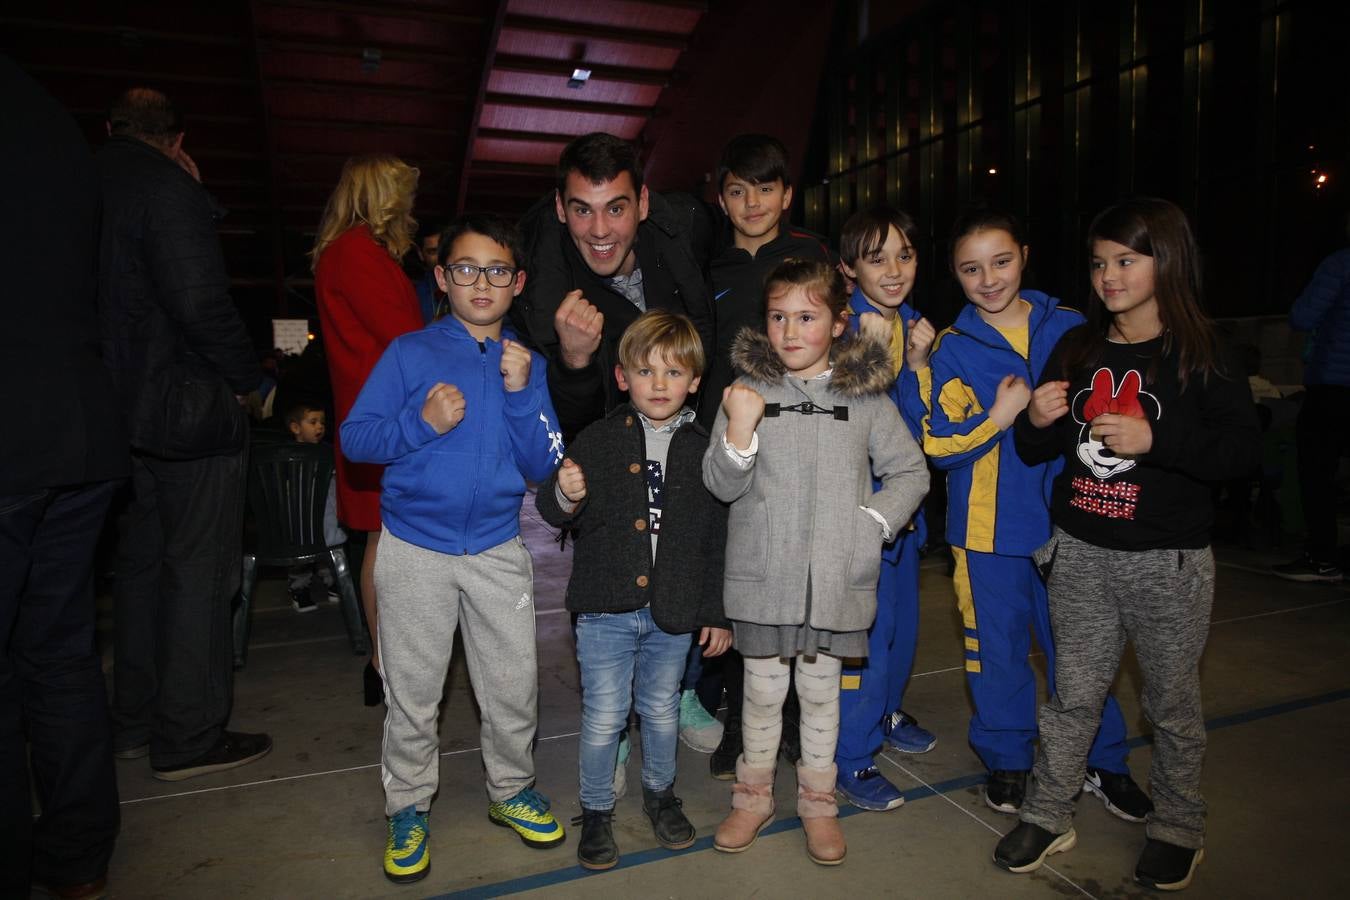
877,251
460,416
998,509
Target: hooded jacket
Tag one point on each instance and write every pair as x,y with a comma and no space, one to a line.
458,492
672,251
796,527
995,502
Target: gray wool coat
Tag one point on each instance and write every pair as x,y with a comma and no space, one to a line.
795,512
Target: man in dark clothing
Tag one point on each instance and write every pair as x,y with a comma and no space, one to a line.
180,360
62,455
601,251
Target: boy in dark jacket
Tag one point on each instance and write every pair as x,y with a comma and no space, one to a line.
459,415
629,480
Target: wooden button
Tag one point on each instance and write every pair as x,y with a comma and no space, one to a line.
640,524
642,581
635,468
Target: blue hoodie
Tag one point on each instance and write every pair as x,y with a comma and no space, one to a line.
995,502
904,393
458,492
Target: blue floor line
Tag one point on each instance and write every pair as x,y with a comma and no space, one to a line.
655,854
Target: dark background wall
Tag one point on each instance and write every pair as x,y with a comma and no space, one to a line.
1055,108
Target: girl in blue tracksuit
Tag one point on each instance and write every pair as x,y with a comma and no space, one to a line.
977,381
878,253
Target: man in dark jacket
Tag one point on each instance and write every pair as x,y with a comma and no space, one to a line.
62,455
180,360
601,251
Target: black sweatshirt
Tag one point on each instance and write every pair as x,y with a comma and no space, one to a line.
1162,499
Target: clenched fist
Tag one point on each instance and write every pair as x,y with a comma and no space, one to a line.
444,407
744,407
515,365
1012,397
578,324
1049,402
920,341
572,481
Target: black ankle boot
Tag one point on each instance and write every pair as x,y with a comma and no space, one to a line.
671,828
596,849
722,763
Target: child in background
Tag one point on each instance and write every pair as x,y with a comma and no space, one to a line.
647,571
877,252
978,380
790,452
306,424
1145,412
754,189
460,414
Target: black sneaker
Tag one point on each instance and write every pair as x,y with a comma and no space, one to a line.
1166,867
722,763
596,850
1305,568
1006,789
669,824
301,601
230,752
1025,848
1123,798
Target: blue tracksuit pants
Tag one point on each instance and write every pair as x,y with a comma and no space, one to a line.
870,691
1002,600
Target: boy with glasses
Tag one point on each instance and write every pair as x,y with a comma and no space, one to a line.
459,414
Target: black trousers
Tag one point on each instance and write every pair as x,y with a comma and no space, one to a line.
178,569
52,695
1321,435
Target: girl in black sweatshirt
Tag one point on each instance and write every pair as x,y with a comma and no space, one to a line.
1147,412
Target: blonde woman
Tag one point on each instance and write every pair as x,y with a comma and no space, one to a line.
365,301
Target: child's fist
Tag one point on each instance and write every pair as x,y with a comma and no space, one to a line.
1048,403
920,342
875,326
515,365
578,325
1012,397
572,481
444,407
744,408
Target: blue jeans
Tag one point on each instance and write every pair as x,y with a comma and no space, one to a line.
611,648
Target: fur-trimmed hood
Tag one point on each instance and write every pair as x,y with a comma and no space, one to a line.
862,367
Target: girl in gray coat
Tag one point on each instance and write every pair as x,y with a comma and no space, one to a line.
790,452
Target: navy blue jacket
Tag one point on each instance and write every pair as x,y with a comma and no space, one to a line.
1324,309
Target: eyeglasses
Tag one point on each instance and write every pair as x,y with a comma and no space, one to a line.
466,275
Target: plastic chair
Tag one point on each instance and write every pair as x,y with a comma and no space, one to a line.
287,491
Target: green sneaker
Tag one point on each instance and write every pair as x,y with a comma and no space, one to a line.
406,857
699,730
527,814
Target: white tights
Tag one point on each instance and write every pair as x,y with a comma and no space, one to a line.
766,687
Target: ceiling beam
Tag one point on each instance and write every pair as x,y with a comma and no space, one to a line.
123,32
566,28
383,10
394,52
366,125
534,65
524,137
520,101
330,86
140,76
513,170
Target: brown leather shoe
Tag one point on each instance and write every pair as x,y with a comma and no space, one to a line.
90,890
751,808
819,812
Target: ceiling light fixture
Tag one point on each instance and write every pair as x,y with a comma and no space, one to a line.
579,78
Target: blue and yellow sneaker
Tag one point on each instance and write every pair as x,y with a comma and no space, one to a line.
527,813
406,857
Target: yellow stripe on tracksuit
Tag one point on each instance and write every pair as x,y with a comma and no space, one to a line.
958,403
965,601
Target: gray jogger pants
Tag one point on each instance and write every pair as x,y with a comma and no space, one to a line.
1161,601
423,596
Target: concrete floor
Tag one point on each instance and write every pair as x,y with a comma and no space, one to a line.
307,820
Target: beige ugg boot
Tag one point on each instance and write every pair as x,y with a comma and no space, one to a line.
751,808
819,813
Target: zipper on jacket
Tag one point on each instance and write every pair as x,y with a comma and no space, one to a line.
478,455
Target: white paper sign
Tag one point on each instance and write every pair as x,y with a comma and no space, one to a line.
290,335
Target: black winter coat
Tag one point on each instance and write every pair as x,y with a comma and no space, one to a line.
612,569
673,246
164,298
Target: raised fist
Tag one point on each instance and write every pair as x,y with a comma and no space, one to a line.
572,481
444,407
515,365
578,325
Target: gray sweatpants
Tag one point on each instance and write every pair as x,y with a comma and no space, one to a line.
423,596
1161,601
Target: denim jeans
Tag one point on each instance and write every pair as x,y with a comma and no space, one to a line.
611,649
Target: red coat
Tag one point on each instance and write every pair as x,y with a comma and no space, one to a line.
365,301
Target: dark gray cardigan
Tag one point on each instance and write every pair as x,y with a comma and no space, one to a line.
612,568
